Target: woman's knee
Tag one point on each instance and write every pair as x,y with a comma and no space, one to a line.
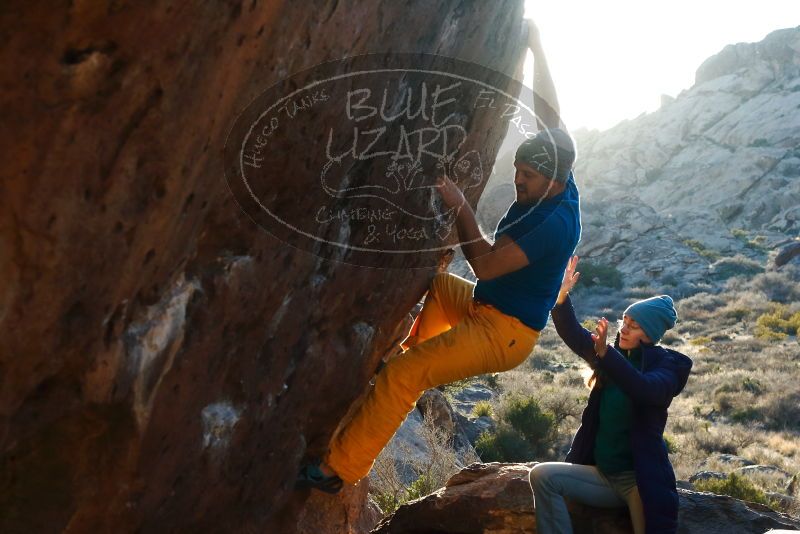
541,474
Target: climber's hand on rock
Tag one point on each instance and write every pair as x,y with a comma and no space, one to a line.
452,196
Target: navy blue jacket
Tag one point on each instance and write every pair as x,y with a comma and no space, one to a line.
663,375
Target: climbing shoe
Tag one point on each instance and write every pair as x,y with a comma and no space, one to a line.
311,476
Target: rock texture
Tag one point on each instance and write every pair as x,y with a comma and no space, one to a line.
496,499
165,363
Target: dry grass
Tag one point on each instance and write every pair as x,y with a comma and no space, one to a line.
431,472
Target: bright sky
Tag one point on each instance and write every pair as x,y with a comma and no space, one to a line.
613,59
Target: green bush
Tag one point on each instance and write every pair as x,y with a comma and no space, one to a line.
740,233
745,415
526,416
778,323
737,313
422,486
589,324
736,486
753,386
669,441
387,502
738,265
701,249
492,380
504,445
600,274
524,431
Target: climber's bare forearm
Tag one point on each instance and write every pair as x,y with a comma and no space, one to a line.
473,244
545,99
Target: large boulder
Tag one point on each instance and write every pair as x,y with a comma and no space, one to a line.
166,364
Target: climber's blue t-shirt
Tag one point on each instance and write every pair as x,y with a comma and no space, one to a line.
548,234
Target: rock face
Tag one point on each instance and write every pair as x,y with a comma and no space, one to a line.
721,157
165,363
496,499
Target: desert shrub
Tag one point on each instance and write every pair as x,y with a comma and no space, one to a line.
526,416
701,249
600,274
782,412
780,287
669,441
541,358
432,471
778,323
670,338
563,400
736,486
757,243
482,408
745,415
524,430
700,340
491,380
753,385
739,233
503,445
670,280
737,313
738,265
589,324
424,485
724,439
748,384
699,306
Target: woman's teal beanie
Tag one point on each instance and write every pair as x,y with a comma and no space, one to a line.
655,315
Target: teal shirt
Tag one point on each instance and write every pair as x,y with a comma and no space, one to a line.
612,446
547,232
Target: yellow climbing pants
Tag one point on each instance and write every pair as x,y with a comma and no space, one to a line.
452,338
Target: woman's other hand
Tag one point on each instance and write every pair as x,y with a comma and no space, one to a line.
599,337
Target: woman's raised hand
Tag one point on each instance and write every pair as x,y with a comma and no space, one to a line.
570,279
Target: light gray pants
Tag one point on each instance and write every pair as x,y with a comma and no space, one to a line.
552,481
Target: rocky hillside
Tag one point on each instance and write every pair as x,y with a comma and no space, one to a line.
166,364
714,173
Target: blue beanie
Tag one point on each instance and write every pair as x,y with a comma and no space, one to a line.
551,152
655,315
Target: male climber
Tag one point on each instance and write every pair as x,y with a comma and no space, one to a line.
467,329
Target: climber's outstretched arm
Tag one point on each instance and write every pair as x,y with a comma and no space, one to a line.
486,260
545,100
